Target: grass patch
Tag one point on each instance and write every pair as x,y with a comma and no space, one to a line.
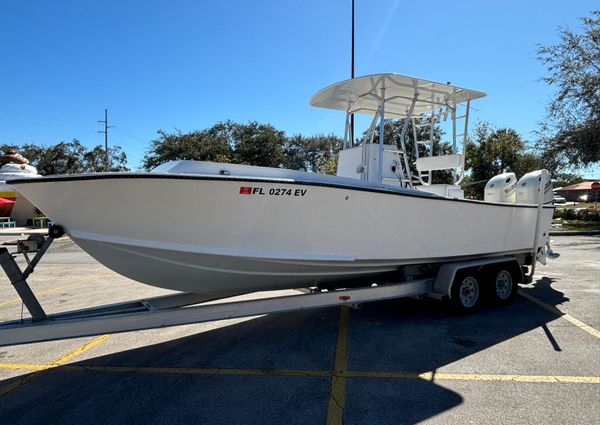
585,205
575,225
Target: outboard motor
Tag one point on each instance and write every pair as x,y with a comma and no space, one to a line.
528,188
501,188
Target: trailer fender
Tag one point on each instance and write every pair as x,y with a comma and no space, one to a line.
447,272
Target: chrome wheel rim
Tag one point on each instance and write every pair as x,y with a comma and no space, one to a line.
503,284
468,291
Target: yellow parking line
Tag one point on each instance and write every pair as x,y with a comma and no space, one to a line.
429,376
338,376
567,317
441,376
170,370
48,291
79,350
337,396
25,366
582,325
40,368
199,371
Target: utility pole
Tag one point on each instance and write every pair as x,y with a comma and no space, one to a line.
352,76
105,131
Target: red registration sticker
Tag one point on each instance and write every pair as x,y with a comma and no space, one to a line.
245,190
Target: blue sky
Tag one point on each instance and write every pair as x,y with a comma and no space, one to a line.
188,64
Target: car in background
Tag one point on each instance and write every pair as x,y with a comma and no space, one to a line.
559,199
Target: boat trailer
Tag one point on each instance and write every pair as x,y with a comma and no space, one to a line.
187,308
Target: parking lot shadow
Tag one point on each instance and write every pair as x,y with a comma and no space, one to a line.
277,369
542,288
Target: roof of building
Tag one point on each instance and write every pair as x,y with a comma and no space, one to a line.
579,186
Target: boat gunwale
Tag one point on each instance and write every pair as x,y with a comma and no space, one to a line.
383,190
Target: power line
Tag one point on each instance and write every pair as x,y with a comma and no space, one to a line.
31,114
20,139
125,145
131,136
34,124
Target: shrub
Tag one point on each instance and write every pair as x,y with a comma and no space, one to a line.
577,214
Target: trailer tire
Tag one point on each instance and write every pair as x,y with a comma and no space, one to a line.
503,285
465,295
55,231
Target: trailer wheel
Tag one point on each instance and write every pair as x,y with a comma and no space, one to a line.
466,292
504,286
56,231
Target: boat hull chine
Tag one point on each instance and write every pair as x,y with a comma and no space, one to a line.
199,272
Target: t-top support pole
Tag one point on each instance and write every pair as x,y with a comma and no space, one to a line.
537,223
381,131
403,138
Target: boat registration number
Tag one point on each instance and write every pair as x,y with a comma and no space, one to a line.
272,191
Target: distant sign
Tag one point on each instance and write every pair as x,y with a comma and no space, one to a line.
596,186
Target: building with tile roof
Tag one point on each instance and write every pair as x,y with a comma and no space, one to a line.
574,192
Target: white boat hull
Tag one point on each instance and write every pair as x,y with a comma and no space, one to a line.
212,234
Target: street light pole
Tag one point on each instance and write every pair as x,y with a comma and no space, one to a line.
352,76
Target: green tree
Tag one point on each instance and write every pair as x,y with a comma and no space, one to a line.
258,144
72,158
565,179
329,166
528,161
95,160
213,144
316,153
571,132
494,151
62,158
251,144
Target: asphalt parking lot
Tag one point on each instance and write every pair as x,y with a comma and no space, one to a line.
393,362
